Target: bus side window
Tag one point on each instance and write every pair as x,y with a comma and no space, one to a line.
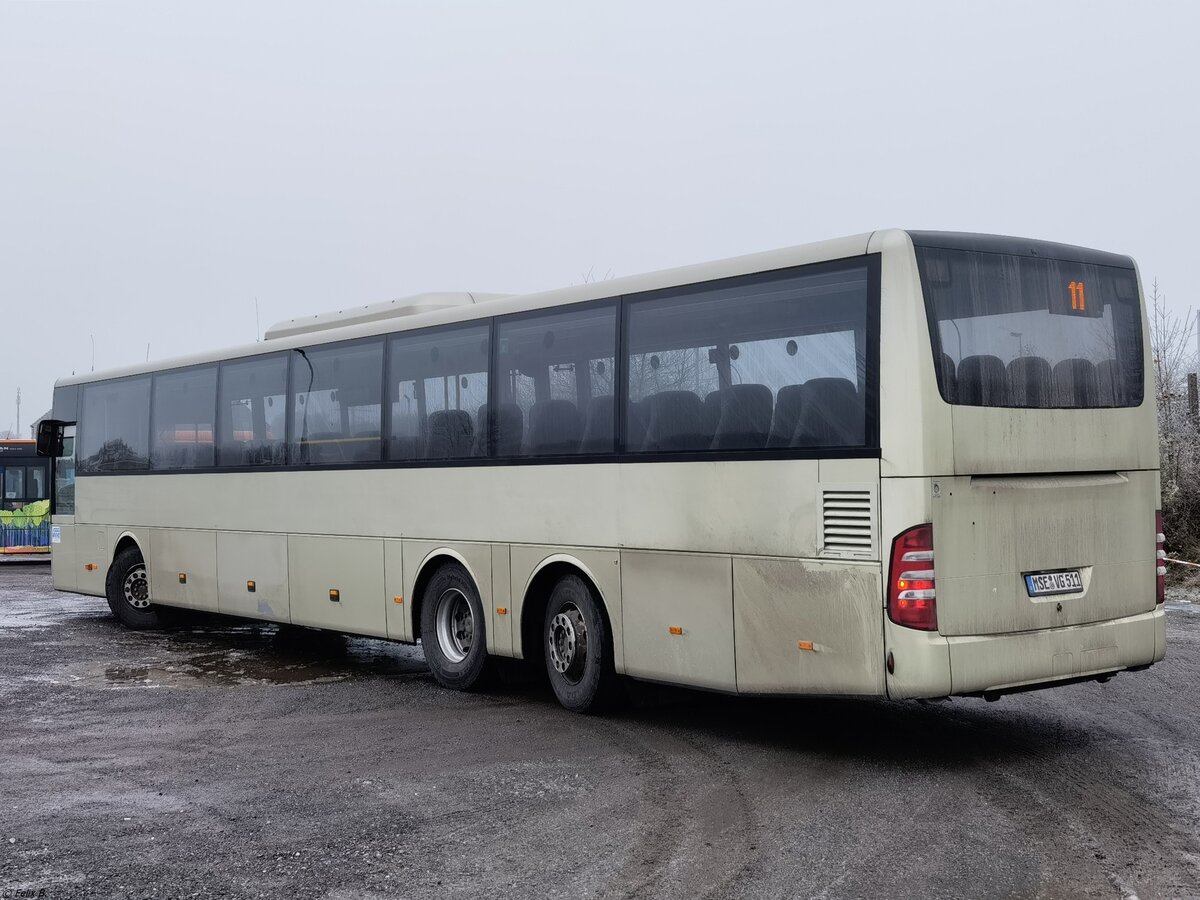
335,402
181,415
549,368
725,368
251,411
437,392
114,434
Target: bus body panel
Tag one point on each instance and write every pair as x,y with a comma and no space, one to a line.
1005,441
920,663
252,575
807,626
500,619
182,566
912,413
93,554
63,572
337,583
998,662
990,532
678,618
730,507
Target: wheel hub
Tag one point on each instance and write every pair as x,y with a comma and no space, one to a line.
567,642
137,588
455,625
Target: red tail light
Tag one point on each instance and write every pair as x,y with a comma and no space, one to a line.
1160,559
911,600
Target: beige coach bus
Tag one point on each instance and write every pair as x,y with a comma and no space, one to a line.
902,464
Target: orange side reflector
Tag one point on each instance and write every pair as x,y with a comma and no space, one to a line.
91,567
250,586
675,629
806,645
397,599
183,577
335,595
502,610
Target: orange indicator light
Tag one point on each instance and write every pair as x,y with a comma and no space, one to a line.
251,586
675,629
397,599
501,610
91,567
335,595
806,645
183,577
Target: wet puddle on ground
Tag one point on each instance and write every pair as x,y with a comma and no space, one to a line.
213,652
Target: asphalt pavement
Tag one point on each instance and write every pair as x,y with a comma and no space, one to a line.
235,760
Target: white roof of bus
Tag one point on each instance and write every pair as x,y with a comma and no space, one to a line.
374,320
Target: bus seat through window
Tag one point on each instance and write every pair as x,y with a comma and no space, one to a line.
676,422
832,414
554,427
745,420
787,414
1029,381
450,434
1108,382
1075,383
598,429
982,381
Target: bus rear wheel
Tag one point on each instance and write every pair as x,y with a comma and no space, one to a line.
127,588
453,632
578,647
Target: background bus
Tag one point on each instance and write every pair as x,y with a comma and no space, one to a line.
24,498
910,464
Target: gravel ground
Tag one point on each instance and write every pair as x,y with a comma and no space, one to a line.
224,759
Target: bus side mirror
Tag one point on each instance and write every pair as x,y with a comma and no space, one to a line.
50,438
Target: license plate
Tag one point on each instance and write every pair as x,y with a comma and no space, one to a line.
1066,582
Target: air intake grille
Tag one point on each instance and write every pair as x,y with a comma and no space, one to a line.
848,523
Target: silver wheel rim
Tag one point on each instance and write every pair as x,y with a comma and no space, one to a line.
137,587
455,625
568,643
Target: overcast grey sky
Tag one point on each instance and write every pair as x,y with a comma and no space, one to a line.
164,163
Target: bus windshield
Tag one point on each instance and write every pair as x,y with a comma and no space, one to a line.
1026,331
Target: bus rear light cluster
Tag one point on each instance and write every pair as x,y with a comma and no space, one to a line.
912,600
1160,559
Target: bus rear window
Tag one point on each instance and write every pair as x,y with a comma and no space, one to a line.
1026,331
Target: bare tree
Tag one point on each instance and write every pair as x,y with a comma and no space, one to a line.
1172,345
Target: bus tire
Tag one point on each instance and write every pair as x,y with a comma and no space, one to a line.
578,647
127,588
453,629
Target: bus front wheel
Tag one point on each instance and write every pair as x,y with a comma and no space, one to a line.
578,647
127,588
453,633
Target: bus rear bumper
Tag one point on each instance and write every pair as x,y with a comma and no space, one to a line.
1007,662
